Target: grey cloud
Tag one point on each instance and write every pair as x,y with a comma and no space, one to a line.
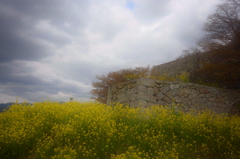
14,47
19,38
21,78
150,11
188,29
77,70
58,11
19,81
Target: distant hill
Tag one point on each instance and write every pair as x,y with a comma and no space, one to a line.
5,106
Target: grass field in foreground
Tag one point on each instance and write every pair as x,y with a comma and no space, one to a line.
90,130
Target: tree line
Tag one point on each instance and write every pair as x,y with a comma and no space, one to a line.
219,48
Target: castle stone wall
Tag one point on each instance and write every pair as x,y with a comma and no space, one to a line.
145,92
175,67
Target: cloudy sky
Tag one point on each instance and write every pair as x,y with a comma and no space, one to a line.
55,48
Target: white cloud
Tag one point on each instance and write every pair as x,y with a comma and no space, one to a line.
151,10
44,27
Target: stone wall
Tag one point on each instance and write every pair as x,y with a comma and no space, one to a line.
145,92
175,67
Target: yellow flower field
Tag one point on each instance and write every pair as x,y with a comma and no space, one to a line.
90,130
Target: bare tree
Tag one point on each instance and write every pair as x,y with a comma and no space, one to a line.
100,90
221,46
235,2
222,27
189,52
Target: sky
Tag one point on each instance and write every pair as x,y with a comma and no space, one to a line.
54,49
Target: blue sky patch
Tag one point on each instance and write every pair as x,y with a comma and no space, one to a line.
130,5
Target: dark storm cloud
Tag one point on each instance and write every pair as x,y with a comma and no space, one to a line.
20,78
19,38
58,11
24,86
32,30
13,46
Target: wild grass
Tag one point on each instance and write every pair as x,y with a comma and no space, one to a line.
183,77
90,130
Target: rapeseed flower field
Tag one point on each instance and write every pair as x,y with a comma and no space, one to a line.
90,130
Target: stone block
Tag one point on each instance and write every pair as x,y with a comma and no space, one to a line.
194,100
174,86
150,104
199,106
219,95
142,88
209,95
109,95
120,85
193,94
145,82
187,91
169,95
114,88
161,102
209,104
121,96
181,91
160,96
202,95
156,90
204,100
150,91
203,90
147,97
158,85
164,89
133,97
158,82
129,93
174,92
186,101
138,103
178,99
221,100
185,107
114,97
139,89
133,104
193,108
123,100
122,90
131,85
168,100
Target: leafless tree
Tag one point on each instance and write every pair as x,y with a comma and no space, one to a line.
189,52
236,2
222,27
100,90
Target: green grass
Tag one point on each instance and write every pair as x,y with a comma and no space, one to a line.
91,130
